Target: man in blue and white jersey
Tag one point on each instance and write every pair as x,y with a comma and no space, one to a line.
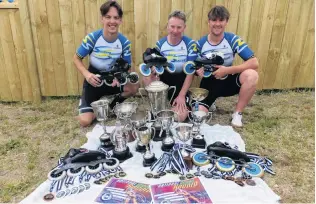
228,79
178,49
104,47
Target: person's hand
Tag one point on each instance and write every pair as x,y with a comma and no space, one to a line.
93,79
200,72
220,72
179,103
115,83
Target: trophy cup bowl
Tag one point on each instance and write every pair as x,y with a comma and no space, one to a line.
144,135
101,109
139,119
166,118
119,138
125,109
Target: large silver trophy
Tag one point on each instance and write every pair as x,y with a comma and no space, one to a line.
166,119
101,111
144,135
139,119
120,136
157,92
198,117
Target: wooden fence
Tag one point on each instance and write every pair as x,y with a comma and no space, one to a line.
38,39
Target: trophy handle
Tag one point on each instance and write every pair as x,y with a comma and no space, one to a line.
139,91
209,115
190,117
154,130
174,91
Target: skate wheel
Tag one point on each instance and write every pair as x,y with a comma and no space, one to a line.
111,163
145,71
55,177
171,68
133,78
75,172
253,169
160,70
122,81
225,164
189,67
200,159
94,169
101,83
108,82
207,74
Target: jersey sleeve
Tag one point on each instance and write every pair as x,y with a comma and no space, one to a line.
240,47
200,44
87,45
192,49
126,51
159,43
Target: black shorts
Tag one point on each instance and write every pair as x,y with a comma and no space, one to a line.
220,88
177,80
91,93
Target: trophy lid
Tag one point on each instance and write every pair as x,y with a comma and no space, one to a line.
156,86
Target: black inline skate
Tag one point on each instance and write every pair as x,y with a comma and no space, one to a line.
152,57
208,62
76,161
119,70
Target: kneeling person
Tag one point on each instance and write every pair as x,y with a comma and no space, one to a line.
178,49
104,46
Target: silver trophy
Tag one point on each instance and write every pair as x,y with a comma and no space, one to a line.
198,117
157,92
139,119
144,135
101,110
166,119
122,132
184,133
125,110
120,139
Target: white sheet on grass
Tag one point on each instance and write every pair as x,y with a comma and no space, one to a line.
220,191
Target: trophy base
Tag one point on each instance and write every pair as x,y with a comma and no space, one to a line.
157,137
108,147
122,155
149,161
141,148
198,143
167,147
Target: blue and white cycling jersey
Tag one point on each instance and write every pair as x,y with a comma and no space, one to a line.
229,46
103,53
178,54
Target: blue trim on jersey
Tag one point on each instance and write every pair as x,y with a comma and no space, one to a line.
126,48
88,43
239,46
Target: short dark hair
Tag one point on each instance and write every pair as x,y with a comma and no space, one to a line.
104,9
178,14
218,12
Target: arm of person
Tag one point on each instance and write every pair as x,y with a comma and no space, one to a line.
251,63
90,77
186,85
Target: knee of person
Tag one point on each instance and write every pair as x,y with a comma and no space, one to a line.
133,88
252,76
84,121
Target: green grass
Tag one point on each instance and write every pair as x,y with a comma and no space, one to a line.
280,125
